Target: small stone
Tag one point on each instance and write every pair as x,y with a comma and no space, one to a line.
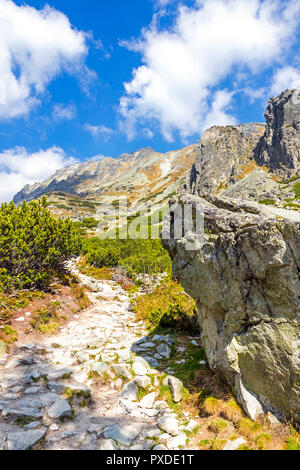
142,381
20,319
234,445
177,442
32,390
139,369
17,389
124,355
149,412
160,447
35,374
54,427
122,370
13,364
60,409
176,387
148,400
99,367
168,424
165,338
94,428
129,392
32,425
151,361
124,434
147,345
164,350
59,374
24,413
192,425
161,405
25,439
107,444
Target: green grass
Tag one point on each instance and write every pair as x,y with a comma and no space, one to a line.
297,190
267,202
46,320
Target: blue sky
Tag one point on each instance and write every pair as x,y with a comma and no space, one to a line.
85,78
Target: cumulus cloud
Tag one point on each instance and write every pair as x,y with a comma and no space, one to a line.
177,86
217,116
97,131
63,112
286,77
35,46
18,168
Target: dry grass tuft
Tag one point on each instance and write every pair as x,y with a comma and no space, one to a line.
212,406
232,411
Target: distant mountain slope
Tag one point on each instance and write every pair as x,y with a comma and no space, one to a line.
142,176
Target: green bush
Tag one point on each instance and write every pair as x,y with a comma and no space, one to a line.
33,245
137,256
168,307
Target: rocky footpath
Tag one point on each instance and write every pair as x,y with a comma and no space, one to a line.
95,385
244,272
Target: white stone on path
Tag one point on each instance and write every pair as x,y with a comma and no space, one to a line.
107,444
168,424
129,392
148,400
234,445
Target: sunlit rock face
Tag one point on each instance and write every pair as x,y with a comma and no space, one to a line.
244,275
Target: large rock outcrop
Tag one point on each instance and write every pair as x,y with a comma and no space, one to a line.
279,148
243,268
245,280
222,157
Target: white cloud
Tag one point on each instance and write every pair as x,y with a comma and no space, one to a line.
209,42
35,46
97,131
63,112
18,168
286,77
217,116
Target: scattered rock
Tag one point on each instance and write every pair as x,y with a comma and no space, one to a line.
164,351
32,425
99,367
169,424
148,400
54,427
122,370
234,445
32,390
177,442
142,381
124,434
139,369
129,392
176,387
24,439
107,444
160,447
60,409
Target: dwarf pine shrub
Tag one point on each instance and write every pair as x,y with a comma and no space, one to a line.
33,245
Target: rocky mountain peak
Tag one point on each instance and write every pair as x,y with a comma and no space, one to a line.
279,148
